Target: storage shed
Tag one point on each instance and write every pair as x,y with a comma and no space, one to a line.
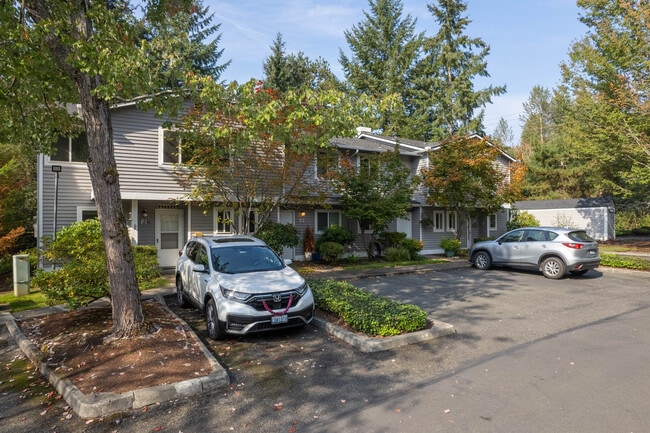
595,215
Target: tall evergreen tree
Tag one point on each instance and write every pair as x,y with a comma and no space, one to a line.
609,80
291,71
536,120
384,48
445,101
502,134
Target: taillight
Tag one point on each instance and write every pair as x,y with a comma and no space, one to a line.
573,245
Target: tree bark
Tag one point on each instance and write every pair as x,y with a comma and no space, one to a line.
128,318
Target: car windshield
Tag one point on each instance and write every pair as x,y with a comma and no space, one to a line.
241,259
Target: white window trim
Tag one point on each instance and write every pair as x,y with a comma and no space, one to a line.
49,161
82,209
496,221
215,222
437,213
452,215
336,165
161,149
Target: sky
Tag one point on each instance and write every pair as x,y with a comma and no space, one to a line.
528,39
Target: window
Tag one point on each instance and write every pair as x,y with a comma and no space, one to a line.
451,221
86,213
223,222
368,165
492,222
170,147
326,219
69,149
438,221
326,161
515,236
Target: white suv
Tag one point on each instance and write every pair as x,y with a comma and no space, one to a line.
241,285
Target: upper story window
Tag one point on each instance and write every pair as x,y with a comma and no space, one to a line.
170,147
327,161
71,149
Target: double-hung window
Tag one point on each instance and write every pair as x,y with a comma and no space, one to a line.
452,224
169,148
223,223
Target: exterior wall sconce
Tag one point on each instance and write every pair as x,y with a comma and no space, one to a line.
302,213
144,213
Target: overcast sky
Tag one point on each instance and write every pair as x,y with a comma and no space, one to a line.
528,39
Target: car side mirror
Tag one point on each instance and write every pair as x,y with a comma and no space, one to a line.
288,261
199,268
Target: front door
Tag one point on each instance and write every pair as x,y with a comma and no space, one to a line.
169,235
287,217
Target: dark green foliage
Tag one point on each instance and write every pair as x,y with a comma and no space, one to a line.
413,246
397,254
331,252
391,239
80,275
336,234
521,219
279,236
450,244
367,312
616,261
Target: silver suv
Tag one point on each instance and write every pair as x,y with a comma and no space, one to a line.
552,250
241,285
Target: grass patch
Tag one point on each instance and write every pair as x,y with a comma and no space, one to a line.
617,261
35,299
387,265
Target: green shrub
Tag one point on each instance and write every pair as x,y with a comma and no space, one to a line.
331,252
335,234
520,219
80,275
450,244
392,239
366,312
397,254
278,236
619,261
413,246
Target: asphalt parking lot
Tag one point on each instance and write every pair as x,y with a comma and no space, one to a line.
306,380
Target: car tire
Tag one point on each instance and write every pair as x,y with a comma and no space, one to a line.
180,296
215,331
579,272
553,268
482,260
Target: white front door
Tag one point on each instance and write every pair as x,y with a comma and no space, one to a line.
169,235
287,217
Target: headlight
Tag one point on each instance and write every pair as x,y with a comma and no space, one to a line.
234,295
302,289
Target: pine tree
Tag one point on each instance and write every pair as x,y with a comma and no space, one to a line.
384,48
444,99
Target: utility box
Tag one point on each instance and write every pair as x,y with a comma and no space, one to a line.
21,274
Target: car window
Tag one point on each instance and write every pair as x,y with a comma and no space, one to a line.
241,259
513,236
580,236
201,256
536,236
190,250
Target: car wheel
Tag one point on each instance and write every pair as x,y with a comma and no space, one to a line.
482,260
215,331
579,272
180,297
553,268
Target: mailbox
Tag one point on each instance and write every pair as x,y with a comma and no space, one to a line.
21,274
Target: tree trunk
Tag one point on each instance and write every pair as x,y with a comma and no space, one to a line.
128,318
125,296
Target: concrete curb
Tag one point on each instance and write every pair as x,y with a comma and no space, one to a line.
378,344
101,404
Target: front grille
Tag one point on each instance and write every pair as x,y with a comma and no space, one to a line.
257,301
237,323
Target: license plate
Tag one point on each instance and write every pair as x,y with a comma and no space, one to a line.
278,320
592,252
